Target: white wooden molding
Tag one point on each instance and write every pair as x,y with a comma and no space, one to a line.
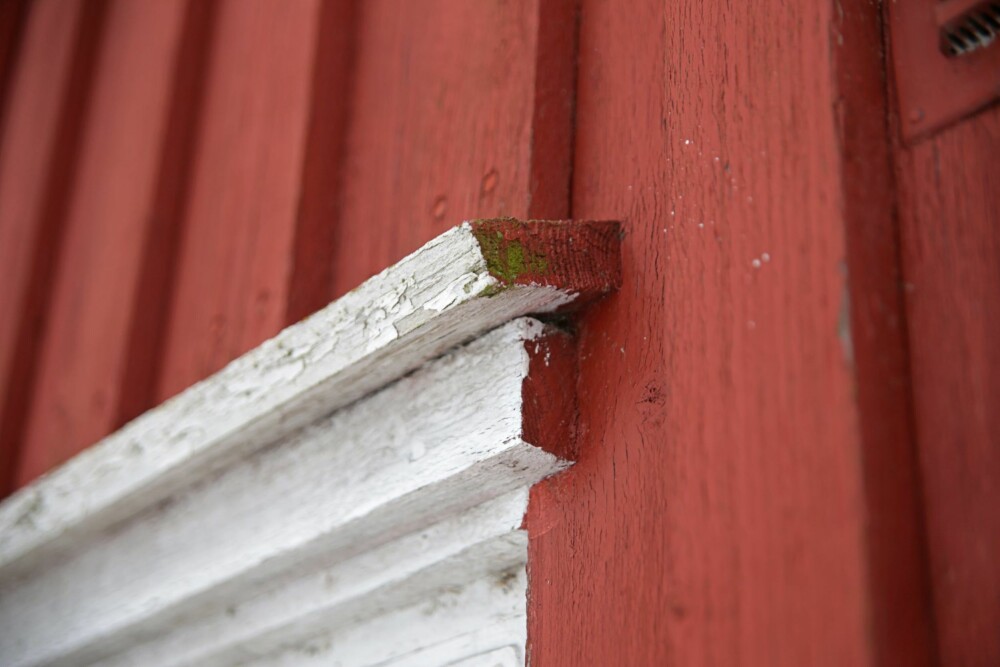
267,516
466,281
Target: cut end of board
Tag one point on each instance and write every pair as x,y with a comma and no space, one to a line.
435,299
582,256
548,394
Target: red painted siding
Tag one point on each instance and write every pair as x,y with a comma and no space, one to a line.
239,229
787,453
949,195
42,117
107,219
12,17
451,119
718,512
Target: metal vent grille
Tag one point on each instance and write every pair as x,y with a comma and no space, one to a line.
973,30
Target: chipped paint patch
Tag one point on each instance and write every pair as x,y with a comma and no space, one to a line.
469,284
409,313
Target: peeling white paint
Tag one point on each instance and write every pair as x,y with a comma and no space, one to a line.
409,313
332,497
470,283
393,507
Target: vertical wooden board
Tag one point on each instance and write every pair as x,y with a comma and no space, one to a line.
12,18
236,256
448,109
76,396
322,171
38,151
152,294
716,513
901,612
949,197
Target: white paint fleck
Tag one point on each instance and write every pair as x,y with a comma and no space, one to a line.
766,257
755,263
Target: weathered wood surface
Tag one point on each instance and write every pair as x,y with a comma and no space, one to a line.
459,110
719,510
772,484
949,199
478,625
466,281
282,141
39,148
154,290
419,487
109,211
319,201
13,16
236,256
901,616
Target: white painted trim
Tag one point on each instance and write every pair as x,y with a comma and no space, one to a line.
340,495
467,626
436,298
414,491
462,627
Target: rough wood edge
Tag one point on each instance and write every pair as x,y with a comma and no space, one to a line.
537,252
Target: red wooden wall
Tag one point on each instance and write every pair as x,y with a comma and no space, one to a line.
949,216
788,440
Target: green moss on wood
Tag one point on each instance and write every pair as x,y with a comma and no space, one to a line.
508,259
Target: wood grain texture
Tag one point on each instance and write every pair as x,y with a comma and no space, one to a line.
417,487
41,131
459,110
721,507
13,15
319,204
477,625
583,254
901,617
949,198
438,297
76,396
236,254
154,288
548,394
